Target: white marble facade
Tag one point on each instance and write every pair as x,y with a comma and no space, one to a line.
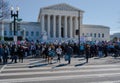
62,20
59,22
95,32
29,30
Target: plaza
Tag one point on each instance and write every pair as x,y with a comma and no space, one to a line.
58,48
36,70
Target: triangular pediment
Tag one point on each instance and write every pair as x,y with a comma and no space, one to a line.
62,6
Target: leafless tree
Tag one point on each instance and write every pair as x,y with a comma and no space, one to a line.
4,10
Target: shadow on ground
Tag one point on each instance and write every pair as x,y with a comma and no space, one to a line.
96,57
36,62
81,59
40,65
81,64
117,58
60,65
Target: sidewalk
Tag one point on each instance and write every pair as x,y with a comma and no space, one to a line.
92,61
1,66
74,62
97,61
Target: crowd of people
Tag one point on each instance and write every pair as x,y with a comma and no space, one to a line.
18,51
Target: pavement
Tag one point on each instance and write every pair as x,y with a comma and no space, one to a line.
74,61
79,61
39,62
1,66
36,70
93,61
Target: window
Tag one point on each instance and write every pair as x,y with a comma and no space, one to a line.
37,33
32,33
5,33
27,33
102,35
94,34
10,33
82,34
16,32
90,34
87,34
98,34
22,33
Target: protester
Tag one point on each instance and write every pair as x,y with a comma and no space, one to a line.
1,53
49,51
5,54
15,53
21,53
59,52
87,52
69,52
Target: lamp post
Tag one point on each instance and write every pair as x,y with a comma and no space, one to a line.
79,28
15,16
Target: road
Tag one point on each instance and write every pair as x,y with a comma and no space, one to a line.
37,71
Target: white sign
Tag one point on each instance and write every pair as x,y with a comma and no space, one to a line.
15,38
82,39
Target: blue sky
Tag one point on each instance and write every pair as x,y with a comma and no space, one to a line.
98,12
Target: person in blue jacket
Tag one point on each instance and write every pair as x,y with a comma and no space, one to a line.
69,51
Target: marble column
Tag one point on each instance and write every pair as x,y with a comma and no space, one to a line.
71,26
59,27
54,26
48,26
2,31
81,18
76,25
43,22
65,27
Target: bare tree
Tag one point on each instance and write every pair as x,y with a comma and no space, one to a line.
4,9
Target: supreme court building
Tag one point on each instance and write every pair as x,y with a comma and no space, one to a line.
59,22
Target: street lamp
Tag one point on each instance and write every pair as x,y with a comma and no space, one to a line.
15,16
79,28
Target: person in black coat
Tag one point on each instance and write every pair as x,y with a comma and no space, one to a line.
69,52
1,53
21,53
14,53
5,55
87,52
